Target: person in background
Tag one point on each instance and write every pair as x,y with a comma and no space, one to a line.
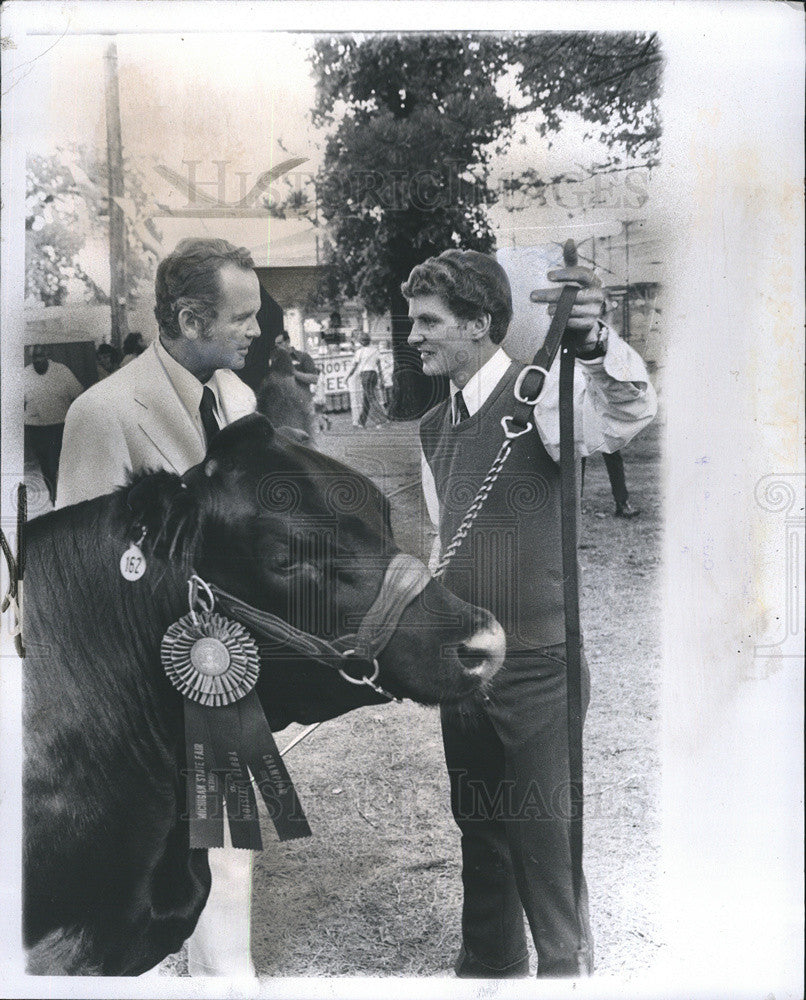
48,390
353,384
133,347
367,363
334,326
305,371
319,402
108,360
286,402
614,463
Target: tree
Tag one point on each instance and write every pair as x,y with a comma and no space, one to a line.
610,80
55,231
416,121
405,172
66,205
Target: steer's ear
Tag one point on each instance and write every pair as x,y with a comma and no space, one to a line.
210,467
161,507
241,436
295,434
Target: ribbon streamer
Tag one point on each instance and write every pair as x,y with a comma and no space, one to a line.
213,662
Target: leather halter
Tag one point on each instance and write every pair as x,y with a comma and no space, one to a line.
405,578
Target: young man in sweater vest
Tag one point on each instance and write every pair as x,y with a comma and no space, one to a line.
508,760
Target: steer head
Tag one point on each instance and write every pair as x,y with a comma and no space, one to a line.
295,533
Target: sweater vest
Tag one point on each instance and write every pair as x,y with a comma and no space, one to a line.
511,560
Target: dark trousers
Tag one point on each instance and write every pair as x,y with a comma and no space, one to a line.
369,386
614,464
45,444
508,768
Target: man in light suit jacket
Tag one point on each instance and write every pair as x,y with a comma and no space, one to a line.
159,412
146,415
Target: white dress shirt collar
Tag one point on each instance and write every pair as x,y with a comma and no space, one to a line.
479,386
187,386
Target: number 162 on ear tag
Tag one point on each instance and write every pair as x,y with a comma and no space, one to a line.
132,563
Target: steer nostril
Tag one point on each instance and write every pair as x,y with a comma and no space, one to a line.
484,652
472,659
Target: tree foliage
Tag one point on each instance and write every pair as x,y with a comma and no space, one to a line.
406,168
66,206
611,80
415,121
54,233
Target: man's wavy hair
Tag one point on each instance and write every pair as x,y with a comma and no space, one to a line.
471,283
188,279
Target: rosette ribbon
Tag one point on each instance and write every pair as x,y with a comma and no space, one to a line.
213,662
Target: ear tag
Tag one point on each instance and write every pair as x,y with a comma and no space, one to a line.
133,562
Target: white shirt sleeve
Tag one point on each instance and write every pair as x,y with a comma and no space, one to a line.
429,491
613,401
432,506
72,387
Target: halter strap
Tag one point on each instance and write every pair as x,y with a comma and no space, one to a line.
404,580
276,630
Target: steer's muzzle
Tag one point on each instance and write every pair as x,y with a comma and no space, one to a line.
482,655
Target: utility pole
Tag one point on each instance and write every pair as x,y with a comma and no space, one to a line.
626,331
117,220
626,225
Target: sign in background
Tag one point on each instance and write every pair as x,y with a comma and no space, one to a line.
336,367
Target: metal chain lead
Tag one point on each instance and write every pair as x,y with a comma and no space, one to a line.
474,509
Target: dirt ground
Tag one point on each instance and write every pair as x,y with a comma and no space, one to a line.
377,890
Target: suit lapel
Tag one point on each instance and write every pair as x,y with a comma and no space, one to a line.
165,421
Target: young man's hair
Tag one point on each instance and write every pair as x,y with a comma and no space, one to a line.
188,279
471,283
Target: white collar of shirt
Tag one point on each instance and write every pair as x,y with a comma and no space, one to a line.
479,386
187,386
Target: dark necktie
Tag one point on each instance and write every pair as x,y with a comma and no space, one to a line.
207,410
460,407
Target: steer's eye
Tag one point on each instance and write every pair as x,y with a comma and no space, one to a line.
286,567
296,569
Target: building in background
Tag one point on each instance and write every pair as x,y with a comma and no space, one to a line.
611,217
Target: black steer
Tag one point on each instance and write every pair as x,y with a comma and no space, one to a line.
111,885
